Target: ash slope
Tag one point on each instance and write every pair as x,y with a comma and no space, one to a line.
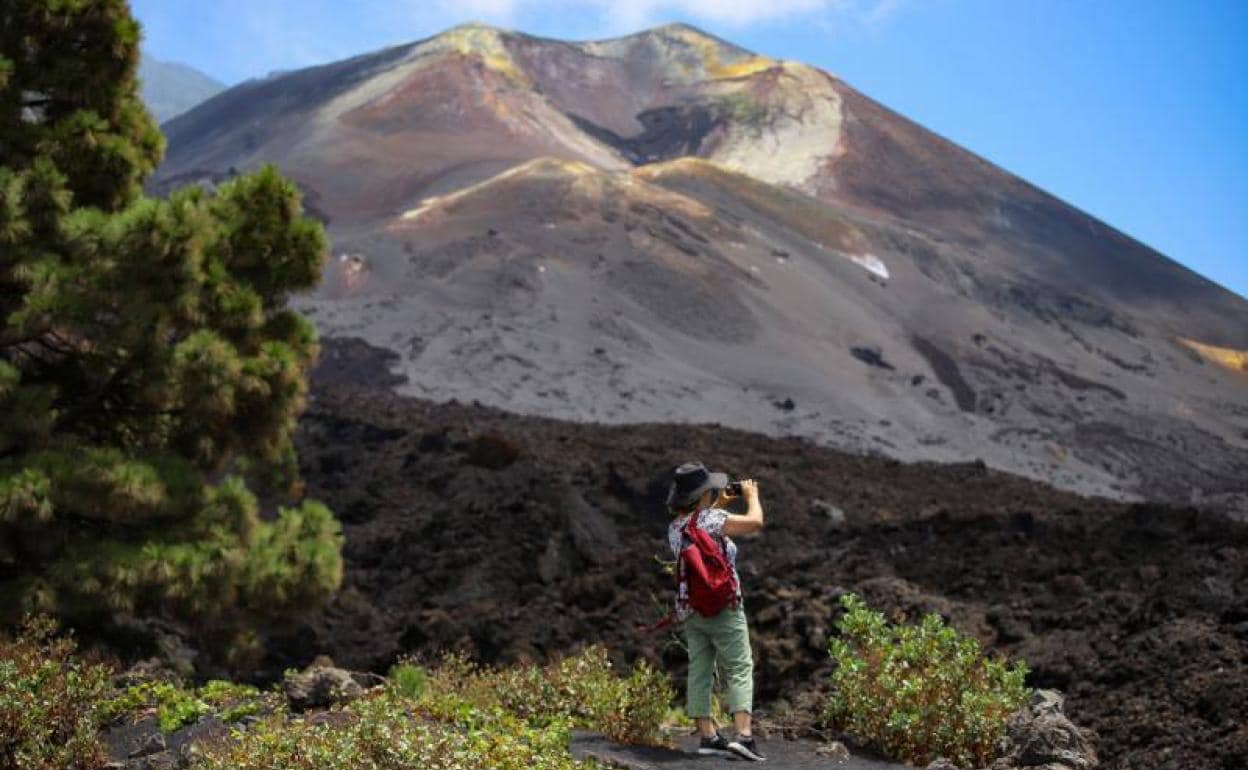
514,537
668,227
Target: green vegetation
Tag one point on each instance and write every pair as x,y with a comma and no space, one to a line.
457,715
177,706
918,692
380,732
579,691
149,370
49,702
408,679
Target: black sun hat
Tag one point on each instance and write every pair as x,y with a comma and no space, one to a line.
689,481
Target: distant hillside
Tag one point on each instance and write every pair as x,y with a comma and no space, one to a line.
171,88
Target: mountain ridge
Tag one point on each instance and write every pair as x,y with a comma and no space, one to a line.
171,88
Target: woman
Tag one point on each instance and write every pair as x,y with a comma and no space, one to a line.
724,638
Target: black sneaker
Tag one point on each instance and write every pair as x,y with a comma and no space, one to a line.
715,746
743,746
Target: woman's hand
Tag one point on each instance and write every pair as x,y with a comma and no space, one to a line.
752,521
749,490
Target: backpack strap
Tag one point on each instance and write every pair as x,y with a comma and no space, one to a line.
695,520
678,573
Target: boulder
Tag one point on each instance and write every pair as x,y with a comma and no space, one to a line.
822,508
173,654
940,763
833,750
1041,736
320,686
149,744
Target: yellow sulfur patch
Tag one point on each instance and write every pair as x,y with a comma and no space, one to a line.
538,167
743,68
1235,360
688,165
477,40
709,50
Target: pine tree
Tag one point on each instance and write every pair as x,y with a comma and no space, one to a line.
149,367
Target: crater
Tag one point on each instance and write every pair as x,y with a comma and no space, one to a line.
667,133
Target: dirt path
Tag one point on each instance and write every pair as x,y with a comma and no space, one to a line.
781,755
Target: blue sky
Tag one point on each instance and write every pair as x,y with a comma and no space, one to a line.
1132,110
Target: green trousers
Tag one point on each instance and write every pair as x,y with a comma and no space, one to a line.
723,639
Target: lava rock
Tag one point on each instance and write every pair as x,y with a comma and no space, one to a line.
834,515
493,451
150,744
833,750
320,686
871,357
1041,735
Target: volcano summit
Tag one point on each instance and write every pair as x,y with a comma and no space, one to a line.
667,227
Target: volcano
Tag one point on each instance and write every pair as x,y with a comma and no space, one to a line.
668,227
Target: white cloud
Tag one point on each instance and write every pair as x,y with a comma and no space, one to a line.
879,12
730,12
236,39
633,14
491,10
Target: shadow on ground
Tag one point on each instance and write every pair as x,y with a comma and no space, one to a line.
781,755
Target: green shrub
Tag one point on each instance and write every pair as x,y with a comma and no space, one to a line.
381,732
581,690
918,692
234,713
458,716
181,710
48,699
633,711
177,706
234,701
218,692
408,679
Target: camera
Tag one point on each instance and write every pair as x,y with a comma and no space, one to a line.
734,488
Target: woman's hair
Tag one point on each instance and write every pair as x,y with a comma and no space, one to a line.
677,510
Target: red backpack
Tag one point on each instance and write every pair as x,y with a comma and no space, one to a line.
704,566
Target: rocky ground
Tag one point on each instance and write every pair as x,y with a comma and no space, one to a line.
519,538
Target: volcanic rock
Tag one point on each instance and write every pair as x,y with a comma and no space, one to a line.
834,515
834,751
1040,735
320,686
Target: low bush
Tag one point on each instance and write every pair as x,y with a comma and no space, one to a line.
177,706
582,690
382,732
48,698
460,715
918,692
408,679
455,716
633,710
